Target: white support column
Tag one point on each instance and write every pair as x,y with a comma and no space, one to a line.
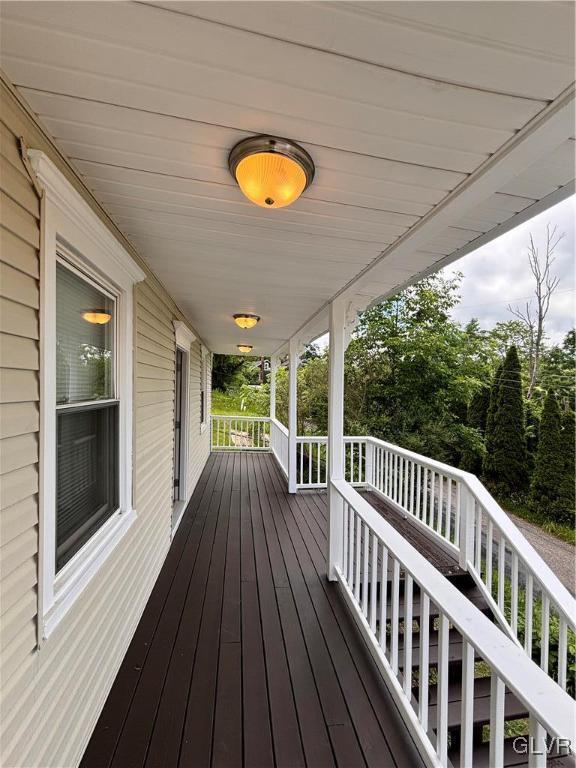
273,369
336,434
292,415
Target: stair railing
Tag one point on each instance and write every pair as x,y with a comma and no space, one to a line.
386,583
279,444
529,601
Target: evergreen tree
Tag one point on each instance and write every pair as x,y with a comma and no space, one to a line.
487,467
478,409
565,506
550,464
472,456
509,470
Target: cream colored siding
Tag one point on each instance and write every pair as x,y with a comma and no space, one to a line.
19,409
52,697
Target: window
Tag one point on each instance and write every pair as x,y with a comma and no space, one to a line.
87,411
86,296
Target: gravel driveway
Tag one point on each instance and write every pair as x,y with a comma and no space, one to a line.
558,554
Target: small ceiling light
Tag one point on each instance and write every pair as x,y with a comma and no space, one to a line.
270,171
97,316
245,348
244,320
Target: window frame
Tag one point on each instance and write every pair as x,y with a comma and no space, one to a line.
71,230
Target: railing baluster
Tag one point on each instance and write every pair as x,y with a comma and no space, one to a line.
545,632
373,583
394,616
562,652
514,595
537,742
467,706
387,472
408,609
440,503
412,471
432,499
448,521
365,536
310,456
528,613
497,691
383,597
478,552
442,691
457,513
345,542
489,535
501,570
405,471
425,511
357,556
419,491
350,572
424,674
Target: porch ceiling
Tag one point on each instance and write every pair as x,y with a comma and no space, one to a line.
431,125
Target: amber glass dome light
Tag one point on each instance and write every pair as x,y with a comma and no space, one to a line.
96,316
244,320
245,348
271,172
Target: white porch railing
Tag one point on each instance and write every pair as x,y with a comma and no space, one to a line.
312,461
240,433
279,444
384,580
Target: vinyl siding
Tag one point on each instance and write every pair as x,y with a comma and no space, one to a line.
51,698
19,412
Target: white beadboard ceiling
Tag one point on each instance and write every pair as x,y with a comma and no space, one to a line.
432,125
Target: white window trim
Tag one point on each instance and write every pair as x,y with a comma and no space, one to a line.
69,225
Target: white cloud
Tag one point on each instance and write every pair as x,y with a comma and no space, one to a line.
498,274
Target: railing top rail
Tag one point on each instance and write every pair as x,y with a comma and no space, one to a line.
280,426
224,417
552,707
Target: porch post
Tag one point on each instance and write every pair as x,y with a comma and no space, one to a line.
292,415
273,369
336,434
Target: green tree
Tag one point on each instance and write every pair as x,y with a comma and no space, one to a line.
509,470
472,457
488,468
565,506
550,463
226,371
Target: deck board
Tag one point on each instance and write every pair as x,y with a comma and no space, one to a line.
245,653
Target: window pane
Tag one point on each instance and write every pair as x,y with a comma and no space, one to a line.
87,478
84,340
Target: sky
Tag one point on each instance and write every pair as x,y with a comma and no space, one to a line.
498,274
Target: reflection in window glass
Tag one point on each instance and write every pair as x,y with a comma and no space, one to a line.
84,340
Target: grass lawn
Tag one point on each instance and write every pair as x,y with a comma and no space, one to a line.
562,531
232,404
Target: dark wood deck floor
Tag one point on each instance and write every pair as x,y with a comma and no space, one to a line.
246,654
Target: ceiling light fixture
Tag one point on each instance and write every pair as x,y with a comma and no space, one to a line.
244,320
97,316
245,348
271,172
